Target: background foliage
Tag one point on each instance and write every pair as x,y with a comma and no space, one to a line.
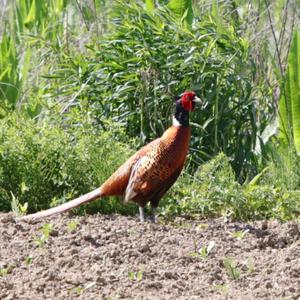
79,79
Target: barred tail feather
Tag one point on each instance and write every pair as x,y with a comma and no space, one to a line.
97,193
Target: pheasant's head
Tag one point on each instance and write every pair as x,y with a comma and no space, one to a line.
188,100
185,103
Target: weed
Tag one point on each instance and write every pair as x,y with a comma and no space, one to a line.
240,234
4,271
231,268
202,226
28,260
46,230
221,288
137,276
41,239
250,266
17,207
131,275
79,290
203,252
72,225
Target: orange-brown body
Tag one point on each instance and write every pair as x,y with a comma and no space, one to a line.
149,173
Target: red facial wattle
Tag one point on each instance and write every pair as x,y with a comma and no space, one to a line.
187,101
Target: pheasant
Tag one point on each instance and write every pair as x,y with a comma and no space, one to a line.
148,174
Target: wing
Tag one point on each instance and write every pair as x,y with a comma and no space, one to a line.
116,184
140,181
151,176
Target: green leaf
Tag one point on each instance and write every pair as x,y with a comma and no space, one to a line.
294,87
31,16
150,5
289,106
182,8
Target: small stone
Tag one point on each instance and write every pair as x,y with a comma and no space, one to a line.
292,289
154,284
54,232
112,277
101,280
114,253
269,285
170,275
264,225
8,219
178,287
144,248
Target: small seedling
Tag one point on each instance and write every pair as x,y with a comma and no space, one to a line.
79,290
222,288
28,260
18,208
138,276
72,225
250,266
202,227
240,234
46,231
204,251
4,271
131,275
39,241
231,268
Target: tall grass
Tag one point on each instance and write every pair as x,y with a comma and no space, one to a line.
149,58
34,37
289,109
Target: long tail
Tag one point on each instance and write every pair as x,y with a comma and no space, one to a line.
65,207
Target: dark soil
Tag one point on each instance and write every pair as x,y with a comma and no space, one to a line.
116,257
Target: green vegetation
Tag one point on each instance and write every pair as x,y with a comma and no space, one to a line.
44,235
4,271
240,234
204,251
231,268
213,191
72,225
289,111
136,276
83,85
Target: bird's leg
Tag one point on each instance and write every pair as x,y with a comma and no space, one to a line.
142,214
153,216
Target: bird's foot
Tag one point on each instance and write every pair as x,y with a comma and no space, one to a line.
153,215
142,214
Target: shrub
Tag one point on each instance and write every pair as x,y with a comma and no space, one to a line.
213,192
49,162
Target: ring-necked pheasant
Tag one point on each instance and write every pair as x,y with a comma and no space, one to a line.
150,172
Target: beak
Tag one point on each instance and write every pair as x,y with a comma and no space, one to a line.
197,100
